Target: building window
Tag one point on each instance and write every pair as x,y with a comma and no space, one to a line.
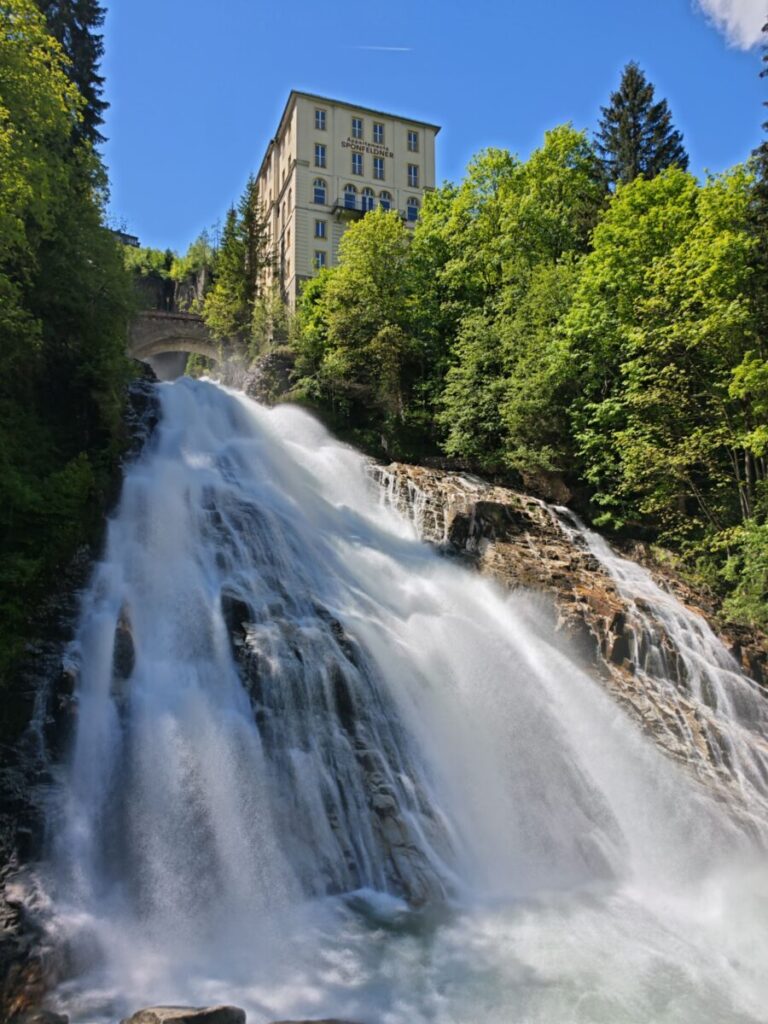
319,191
413,176
357,127
357,163
319,155
320,229
378,168
378,133
320,120
412,209
369,199
320,259
385,200
413,142
350,197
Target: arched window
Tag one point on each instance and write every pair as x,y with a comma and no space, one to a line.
350,197
369,199
385,200
412,209
320,191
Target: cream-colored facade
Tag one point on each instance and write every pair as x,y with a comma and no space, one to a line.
328,164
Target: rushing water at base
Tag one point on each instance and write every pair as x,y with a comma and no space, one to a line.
336,775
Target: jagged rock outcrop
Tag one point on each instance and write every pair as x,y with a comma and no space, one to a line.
187,1015
41,696
523,543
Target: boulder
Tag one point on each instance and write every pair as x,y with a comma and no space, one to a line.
187,1015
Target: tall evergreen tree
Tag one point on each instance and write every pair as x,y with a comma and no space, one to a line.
636,134
76,25
253,229
758,226
760,159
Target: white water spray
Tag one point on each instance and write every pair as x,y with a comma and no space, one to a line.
336,775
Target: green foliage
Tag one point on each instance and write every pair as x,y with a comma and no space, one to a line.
535,322
661,328
75,23
242,258
357,351
503,400
746,570
272,322
65,298
144,262
636,135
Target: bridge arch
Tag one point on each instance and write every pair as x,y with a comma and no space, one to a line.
154,332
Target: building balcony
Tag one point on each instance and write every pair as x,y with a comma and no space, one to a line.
353,206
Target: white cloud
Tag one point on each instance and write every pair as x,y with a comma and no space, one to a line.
386,49
741,21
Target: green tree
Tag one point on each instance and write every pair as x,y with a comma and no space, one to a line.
244,254
356,327
76,25
503,402
65,298
660,330
636,135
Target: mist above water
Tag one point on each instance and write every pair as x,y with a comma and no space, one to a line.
334,774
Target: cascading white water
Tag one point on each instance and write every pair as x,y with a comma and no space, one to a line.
337,775
682,662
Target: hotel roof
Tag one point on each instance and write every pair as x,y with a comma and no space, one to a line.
296,94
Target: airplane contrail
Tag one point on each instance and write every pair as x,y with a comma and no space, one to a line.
386,49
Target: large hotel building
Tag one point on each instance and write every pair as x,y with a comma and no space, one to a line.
330,163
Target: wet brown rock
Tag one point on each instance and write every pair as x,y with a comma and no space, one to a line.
519,541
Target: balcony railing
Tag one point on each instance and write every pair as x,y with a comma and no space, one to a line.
353,203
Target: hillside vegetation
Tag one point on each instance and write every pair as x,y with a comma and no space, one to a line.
65,299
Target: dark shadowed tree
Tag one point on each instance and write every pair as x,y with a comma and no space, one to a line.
76,24
760,165
636,135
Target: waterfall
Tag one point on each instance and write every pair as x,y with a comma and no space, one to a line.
680,661
320,771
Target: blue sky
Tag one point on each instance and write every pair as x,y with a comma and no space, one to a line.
196,88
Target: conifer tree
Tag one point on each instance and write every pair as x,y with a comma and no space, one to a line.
760,155
758,224
252,228
636,135
76,25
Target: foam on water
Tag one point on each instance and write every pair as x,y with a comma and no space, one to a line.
391,800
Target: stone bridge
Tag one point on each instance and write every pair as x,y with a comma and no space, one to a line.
153,332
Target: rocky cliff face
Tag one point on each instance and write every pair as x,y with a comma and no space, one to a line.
638,654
